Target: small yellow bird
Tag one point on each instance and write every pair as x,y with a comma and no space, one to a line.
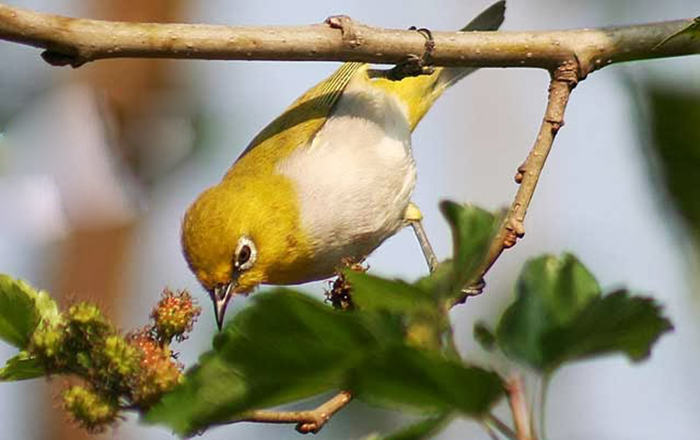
331,178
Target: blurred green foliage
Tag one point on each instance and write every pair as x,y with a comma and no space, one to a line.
674,122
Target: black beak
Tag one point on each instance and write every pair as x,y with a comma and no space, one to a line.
220,297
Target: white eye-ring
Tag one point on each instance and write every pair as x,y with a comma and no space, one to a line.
245,255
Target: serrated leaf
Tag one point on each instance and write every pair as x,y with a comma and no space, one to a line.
420,430
285,346
550,292
560,316
616,323
21,367
18,314
473,229
425,381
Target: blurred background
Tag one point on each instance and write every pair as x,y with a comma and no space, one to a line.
98,164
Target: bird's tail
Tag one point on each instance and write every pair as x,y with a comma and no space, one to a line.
419,93
489,20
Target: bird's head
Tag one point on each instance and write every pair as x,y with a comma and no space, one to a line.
242,233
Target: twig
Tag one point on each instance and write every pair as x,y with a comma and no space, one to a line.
75,41
564,79
518,406
544,388
501,426
310,421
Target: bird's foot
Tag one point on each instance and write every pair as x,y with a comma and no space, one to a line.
473,290
414,65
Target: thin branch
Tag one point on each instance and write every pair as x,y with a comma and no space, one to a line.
502,427
544,388
563,81
519,408
310,421
75,41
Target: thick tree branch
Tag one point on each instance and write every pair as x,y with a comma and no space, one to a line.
74,41
310,421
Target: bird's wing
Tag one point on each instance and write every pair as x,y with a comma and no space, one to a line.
304,118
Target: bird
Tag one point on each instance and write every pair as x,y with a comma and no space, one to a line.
328,180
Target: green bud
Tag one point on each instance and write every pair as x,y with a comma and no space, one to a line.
87,327
86,314
121,356
89,409
47,341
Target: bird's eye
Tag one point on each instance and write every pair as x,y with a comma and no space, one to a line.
245,254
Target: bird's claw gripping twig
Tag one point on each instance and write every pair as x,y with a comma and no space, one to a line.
414,65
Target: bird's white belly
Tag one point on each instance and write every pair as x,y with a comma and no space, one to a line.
355,179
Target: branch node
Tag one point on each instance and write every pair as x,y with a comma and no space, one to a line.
520,173
312,427
556,124
348,28
514,230
569,72
60,59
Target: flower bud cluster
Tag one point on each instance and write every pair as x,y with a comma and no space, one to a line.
133,371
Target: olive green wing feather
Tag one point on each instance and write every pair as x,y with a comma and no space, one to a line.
302,120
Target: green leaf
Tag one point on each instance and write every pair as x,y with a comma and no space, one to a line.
550,292
473,230
419,311
425,381
484,336
21,367
560,316
616,323
18,313
285,346
371,293
421,430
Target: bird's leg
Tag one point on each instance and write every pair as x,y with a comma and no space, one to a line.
414,217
